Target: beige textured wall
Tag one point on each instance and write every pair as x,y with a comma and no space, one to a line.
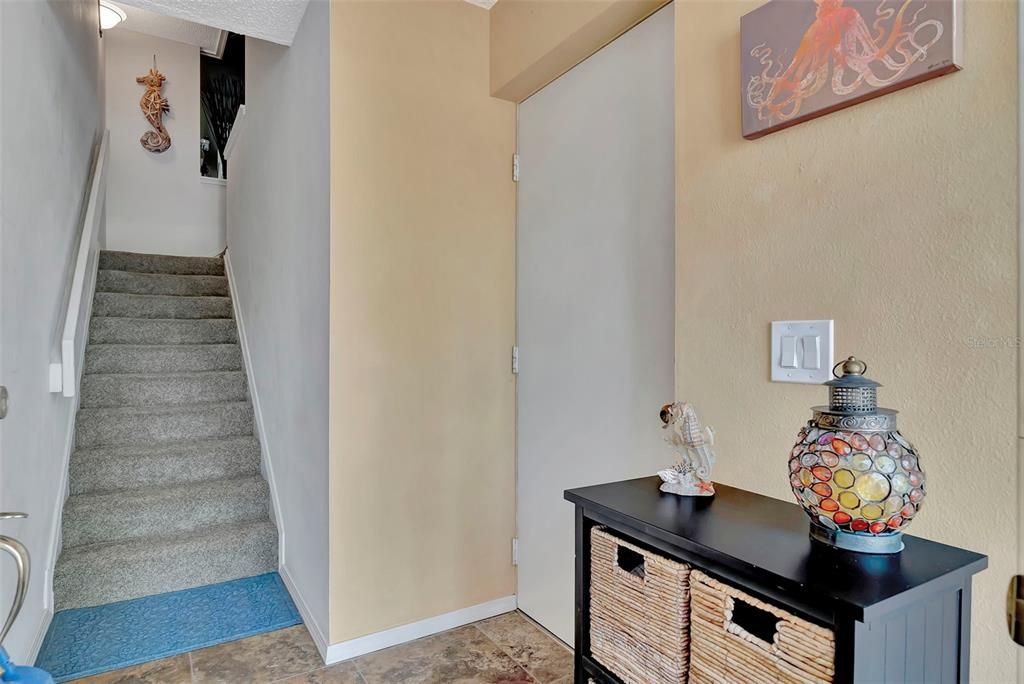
422,316
897,218
534,42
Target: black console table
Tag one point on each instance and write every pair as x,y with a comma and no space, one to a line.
903,617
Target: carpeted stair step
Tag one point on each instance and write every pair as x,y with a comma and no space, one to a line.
105,469
104,573
161,263
146,425
167,358
165,485
155,389
103,330
135,513
160,306
161,284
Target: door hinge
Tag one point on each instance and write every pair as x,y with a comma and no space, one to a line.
515,360
515,168
515,550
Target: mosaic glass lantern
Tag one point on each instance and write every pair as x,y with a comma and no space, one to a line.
853,472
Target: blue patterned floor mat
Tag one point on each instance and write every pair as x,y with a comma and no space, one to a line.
87,641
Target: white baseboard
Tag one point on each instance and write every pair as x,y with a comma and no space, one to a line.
50,561
307,615
49,564
37,643
268,467
416,630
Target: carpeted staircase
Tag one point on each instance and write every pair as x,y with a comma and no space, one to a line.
165,484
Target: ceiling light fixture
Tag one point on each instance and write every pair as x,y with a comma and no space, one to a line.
110,15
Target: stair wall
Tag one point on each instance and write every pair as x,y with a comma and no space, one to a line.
278,264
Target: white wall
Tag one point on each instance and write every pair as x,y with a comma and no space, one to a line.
157,203
278,237
51,109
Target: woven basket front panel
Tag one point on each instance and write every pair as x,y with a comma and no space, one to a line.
639,625
722,651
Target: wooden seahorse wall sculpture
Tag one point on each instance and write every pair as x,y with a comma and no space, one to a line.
153,106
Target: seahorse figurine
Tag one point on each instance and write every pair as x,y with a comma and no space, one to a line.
153,106
691,475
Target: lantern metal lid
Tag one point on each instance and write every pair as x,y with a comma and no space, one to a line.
857,478
853,401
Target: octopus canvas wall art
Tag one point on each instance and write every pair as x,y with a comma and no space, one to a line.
801,59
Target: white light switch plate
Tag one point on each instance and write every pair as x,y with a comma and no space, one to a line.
802,351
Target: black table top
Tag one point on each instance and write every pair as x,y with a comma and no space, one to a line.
767,540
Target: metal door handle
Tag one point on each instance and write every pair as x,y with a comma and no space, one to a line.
21,559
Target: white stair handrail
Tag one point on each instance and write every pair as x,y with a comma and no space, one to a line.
64,376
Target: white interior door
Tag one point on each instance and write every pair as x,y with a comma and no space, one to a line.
595,289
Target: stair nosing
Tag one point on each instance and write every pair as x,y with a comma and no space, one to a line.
152,540
165,491
159,345
149,273
169,374
145,294
166,296
165,445
114,254
167,408
92,374
249,460
140,318
163,344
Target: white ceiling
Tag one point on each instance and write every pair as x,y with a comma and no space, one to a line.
272,20
206,38
202,23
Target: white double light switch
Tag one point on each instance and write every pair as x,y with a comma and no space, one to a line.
802,351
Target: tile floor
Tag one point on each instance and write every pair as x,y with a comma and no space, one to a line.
508,649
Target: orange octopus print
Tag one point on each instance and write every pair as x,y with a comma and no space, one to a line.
840,57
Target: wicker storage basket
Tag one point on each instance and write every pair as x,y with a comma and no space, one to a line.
723,651
639,612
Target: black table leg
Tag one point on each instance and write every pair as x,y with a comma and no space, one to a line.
582,645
